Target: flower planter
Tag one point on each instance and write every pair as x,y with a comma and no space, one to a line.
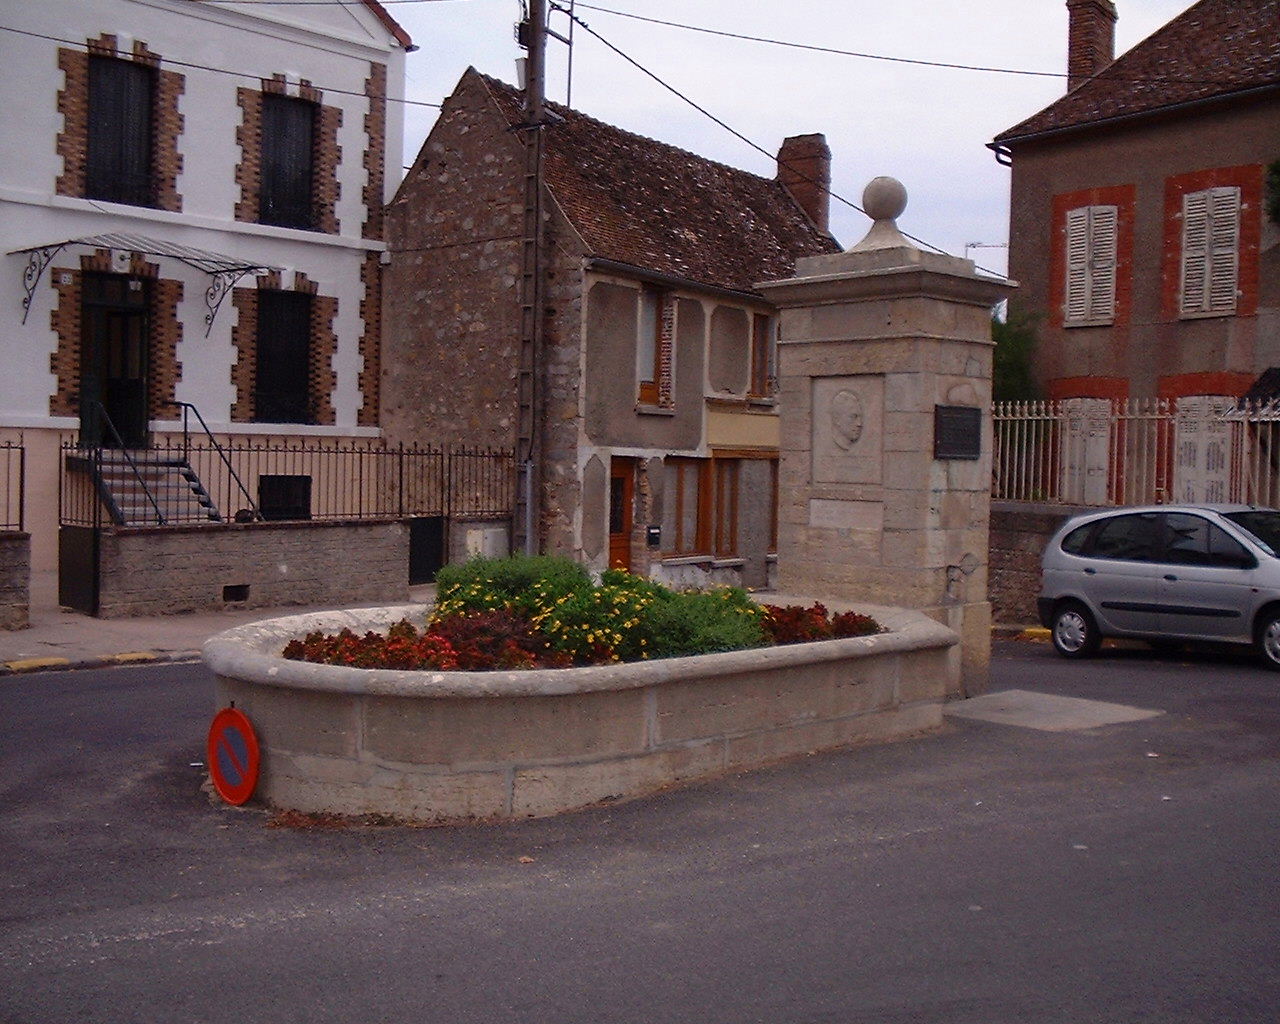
439,746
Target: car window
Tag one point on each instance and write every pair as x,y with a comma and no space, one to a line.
1133,538
1263,524
1074,542
1193,540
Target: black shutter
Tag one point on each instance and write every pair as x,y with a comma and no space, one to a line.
282,387
118,164
288,127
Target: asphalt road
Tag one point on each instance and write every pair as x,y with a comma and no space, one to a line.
985,874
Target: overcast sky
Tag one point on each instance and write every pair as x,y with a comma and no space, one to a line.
926,126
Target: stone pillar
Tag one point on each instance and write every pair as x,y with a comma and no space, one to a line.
885,401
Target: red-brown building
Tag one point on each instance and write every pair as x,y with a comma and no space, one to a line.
1145,205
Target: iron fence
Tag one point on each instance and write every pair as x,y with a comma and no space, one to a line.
244,479
1100,451
13,477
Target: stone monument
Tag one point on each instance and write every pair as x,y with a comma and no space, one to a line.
884,362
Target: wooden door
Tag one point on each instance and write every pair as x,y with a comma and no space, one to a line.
622,477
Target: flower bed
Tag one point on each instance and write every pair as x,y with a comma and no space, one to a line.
440,745
526,613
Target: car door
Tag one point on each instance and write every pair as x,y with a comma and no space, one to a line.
1121,577
1206,580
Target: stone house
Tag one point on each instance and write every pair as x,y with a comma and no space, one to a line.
191,204
1143,230
661,430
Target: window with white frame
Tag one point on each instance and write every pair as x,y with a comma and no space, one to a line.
1210,251
1091,265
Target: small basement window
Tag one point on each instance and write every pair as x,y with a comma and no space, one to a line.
282,497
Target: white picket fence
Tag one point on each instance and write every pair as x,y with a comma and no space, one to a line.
1101,451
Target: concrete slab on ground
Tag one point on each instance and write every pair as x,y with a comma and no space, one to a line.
1045,711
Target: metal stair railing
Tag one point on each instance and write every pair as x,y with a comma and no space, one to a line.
187,408
105,491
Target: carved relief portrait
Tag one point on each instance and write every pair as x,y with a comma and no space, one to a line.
846,419
846,429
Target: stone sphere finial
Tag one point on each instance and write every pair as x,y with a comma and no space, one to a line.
884,198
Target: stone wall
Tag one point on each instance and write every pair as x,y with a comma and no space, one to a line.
186,568
1019,532
15,576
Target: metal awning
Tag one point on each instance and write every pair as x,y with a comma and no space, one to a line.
225,270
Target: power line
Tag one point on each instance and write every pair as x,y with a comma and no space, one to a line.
733,131
885,57
167,62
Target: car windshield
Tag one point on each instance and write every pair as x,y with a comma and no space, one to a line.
1264,525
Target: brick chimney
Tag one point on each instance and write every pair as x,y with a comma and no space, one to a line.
804,169
1091,39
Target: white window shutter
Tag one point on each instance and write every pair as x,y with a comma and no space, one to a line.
1224,248
1077,305
1195,251
1102,262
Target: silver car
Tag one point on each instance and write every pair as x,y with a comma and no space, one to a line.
1165,573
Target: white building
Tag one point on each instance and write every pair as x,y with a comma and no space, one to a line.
191,211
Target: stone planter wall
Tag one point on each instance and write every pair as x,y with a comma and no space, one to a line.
15,580
456,745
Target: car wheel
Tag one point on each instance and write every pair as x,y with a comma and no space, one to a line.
1075,634
1267,639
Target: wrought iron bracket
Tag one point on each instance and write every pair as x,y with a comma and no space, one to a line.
37,262
221,285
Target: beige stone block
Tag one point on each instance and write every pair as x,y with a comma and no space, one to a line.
551,788
439,797
296,721
910,432
846,515
505,729
908,510
925,675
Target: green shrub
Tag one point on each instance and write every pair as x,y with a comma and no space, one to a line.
704,622
522,583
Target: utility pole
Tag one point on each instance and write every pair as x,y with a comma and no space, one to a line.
526,534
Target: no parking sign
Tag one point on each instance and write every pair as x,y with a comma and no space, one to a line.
232,756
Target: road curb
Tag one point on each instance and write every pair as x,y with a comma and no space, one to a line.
30,666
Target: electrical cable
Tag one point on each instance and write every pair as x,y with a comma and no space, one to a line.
168,62
880,56
737,134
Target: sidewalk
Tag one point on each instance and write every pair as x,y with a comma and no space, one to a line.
62,639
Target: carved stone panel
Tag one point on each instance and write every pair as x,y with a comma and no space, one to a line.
847,434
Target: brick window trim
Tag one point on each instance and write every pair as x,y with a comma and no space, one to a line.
370,380
326,153
659,393
322,379
1062,388
1123,198
165,334
375,153
73,104
1219,382
1248,178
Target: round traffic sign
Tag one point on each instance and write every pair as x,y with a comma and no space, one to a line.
233,756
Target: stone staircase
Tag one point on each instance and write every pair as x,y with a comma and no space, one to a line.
148,488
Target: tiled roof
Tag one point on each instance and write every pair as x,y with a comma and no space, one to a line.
659,208
1216,48
390,24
